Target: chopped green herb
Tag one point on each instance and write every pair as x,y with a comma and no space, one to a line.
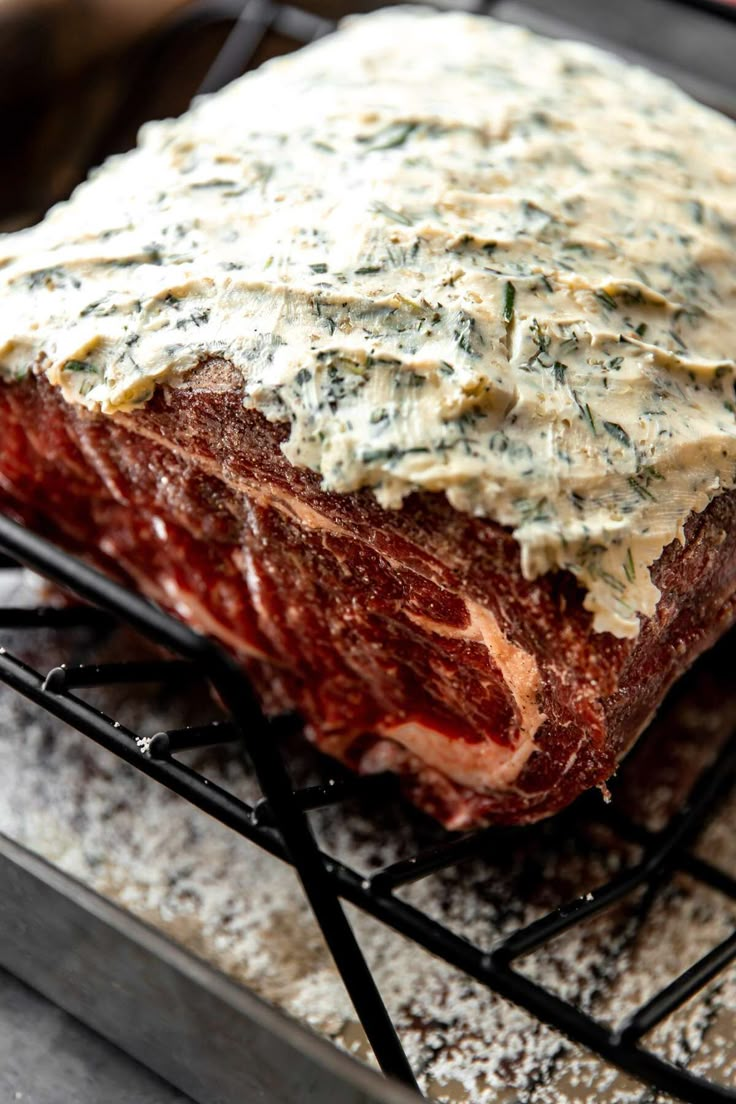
539,337
465,334
389,213
629,568
509,297
641,490
79,366
371,457
697,211
204,184
603,297
612,581
617,432
391,137
570,344
586,414
678,340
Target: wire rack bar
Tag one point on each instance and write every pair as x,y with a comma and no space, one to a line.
468,846
256,19
104,674
332,792
694,979
660,858
53,617
162,745
687,862
319,888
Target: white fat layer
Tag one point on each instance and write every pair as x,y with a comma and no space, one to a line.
454,256
518,668
486,767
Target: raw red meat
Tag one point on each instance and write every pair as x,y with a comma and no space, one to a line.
408,639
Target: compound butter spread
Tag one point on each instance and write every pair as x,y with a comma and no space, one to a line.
455,256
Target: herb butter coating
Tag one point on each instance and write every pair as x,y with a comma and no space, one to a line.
454,255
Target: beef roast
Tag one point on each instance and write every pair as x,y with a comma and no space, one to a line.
408,640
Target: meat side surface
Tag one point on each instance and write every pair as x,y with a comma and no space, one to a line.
408,640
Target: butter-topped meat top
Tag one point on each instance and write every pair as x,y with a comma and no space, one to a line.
454,256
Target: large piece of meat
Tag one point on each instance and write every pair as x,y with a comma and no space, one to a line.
409,640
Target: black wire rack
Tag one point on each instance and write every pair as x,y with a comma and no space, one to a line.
279,821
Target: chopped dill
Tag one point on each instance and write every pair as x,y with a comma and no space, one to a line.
388,212
509,298
641,489
603,297
617,432
391,137
79,366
